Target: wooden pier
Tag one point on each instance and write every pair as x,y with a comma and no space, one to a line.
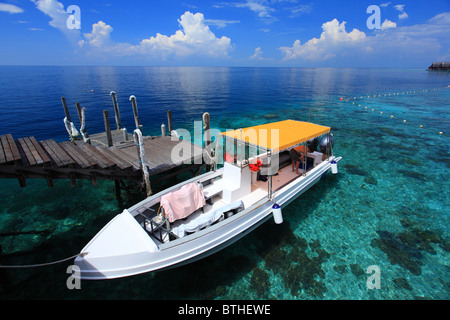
27,158
111,155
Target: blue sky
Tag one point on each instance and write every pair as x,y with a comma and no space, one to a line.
326,33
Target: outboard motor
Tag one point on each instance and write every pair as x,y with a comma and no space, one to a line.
326,142
312,144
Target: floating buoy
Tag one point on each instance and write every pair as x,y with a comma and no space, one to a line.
334,168
421,126
92,90
342,99
440,132
277,216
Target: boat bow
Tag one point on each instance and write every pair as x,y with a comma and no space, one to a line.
122,244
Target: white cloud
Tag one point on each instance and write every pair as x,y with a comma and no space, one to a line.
99,35
388,24
54,10
258,54
401,9
333,39
260,7
403,15
193,38
10,8
220,23
421,41
300,10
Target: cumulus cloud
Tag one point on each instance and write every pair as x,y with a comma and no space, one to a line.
258,54
194,37
388,24
10,8
423,41
332,40
99,36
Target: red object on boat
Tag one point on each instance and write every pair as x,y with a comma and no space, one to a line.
255,167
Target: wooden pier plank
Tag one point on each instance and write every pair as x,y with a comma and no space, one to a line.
2,153
121,163
105,159
33,151
41,151
7,149
55,149
53,156
13,146
93,155
127,157
76,154
27,152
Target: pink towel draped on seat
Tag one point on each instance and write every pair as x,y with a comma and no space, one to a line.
181,203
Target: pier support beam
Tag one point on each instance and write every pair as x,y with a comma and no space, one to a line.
66,110
135,113
107,128
116,109
169,121
138,139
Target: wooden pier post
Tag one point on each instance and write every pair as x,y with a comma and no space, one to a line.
107,128
135,112
66,110
116,109
138,139
169,121
206,127
83,128
125,134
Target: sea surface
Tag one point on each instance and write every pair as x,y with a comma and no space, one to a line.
387,209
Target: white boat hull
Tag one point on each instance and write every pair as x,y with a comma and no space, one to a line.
108,256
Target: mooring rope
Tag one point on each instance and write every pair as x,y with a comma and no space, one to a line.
42,264
71,130
353,100
139,141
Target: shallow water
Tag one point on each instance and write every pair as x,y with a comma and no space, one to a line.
388,206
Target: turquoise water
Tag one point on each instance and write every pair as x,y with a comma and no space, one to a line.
388,206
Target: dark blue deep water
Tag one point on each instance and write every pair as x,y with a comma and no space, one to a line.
388,206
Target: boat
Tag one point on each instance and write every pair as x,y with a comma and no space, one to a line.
251,180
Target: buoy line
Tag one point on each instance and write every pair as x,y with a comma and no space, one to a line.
42,264
342,99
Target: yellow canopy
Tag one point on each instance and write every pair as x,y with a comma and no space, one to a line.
278,136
